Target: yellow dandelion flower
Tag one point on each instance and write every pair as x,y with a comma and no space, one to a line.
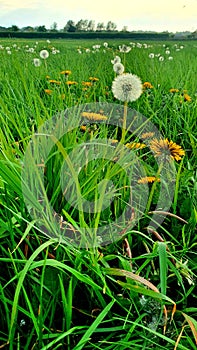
66,72
69,82
48,91
147,85
163,147
47,76
83,127
174,90
136,145
187,97
113,141
87,83
53,81
148,179
147,135
93,116
93,79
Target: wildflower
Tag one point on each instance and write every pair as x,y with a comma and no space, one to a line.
66,72
36,62
44,54
148,179
113,141
117,59
93,116
83,127
105,45
127,87
174,90
136,145
47,76
147,85
53,81
167,52
166,148
69,82
87,50
124,48
118,68
161,58
93,79
170,58
187,97
86,83
151,55
48,91
147,135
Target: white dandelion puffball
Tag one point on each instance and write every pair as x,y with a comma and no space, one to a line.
44,54
118,68
36,62
117,59
161,58
127,87
151,55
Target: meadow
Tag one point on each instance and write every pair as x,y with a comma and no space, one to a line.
98,206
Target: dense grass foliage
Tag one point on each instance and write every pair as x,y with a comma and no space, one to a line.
138,291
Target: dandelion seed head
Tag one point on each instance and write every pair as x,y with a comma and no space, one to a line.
127,87
44,54
116,59
118,68
36,62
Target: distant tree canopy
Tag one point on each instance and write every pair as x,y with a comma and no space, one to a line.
86,28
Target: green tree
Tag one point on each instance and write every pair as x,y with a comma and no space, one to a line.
82,25
14,28
111,26
41,29
53,27
91,26
70,26
100,27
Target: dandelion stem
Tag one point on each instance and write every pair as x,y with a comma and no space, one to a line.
124,124
153,189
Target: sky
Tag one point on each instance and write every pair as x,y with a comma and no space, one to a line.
156,15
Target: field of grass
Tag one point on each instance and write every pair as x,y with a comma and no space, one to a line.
98,209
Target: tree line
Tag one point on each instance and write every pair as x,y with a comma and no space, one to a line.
83,25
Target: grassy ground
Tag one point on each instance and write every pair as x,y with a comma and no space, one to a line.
75,279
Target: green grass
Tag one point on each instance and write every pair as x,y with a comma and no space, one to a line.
109,283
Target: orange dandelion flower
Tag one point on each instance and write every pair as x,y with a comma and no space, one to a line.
83,127
147,135
166,148
135,145
113,141
66,72
69,82
148,179
93,116
87,83
52,81
174,90
147,85
187,97
48,91
93,79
